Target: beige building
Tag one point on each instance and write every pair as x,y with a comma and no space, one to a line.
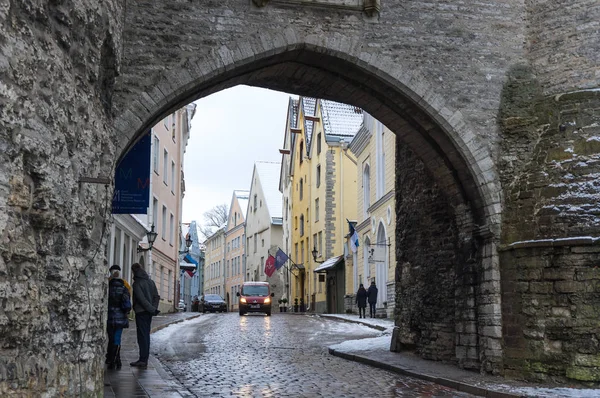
214,257
169,140
235,265
375,149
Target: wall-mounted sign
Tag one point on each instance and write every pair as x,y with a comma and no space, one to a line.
132,180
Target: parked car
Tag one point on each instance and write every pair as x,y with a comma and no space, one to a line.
213,303
255,297
181,305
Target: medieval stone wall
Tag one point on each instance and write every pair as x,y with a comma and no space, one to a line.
58,62
435,306
550,164
550,301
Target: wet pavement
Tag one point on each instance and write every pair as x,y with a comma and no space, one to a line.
133,382
225,355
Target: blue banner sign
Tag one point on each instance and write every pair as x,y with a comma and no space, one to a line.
132,180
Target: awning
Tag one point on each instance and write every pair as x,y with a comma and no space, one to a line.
329,264
189,259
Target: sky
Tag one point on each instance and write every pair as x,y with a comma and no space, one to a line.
230,131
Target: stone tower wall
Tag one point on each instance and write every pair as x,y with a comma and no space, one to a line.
58,62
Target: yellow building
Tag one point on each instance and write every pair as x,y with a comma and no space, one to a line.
375,149
320,197
214,257
235,264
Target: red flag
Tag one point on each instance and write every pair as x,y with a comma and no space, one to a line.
270,266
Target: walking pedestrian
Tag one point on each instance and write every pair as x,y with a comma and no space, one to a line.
145,306
372,297
119,306
361,301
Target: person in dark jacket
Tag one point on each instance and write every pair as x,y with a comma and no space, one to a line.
372,297
145,306
361,301
119,306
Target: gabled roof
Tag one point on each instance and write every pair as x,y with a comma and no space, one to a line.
288,139
308,106
243,198
340,121
268,173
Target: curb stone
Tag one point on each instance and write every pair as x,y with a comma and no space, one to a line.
164,325
457,385
378,327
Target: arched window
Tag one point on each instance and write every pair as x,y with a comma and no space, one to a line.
366,190
366,267
382,266
302,225
301,153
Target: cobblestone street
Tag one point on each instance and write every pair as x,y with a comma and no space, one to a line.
281,356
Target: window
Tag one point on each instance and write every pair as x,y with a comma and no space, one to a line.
169,285
164,223
166,122
380,168
302,252
302,225
318,143
296,251
315,241
301,153
255,243
286,209
173,177
174,116
171,229
316,209
295,222
155,212
161,291
318,176
262,266
301,188
366,190
321,242
262,243
255,202
155,148
165,167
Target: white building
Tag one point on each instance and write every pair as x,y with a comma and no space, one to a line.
264,225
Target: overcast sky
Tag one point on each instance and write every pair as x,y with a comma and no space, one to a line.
230,131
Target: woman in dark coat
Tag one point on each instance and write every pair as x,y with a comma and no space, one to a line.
119,305
361,301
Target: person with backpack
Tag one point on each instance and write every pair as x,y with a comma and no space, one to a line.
361,301
372,298
145,306
119,306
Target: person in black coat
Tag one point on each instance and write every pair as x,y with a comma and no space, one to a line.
361,301
372,298
119,306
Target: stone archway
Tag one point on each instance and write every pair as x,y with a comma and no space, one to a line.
455,157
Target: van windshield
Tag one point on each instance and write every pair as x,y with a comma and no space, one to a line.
255,290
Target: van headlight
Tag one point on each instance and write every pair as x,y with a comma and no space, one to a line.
242,300
267,301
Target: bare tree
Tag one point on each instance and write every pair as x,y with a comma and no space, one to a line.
214,219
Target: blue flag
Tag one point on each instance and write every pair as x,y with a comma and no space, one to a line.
280,259
353,237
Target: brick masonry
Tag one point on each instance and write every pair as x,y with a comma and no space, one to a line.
487,95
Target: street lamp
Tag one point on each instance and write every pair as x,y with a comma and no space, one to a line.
314,254
188,244
151,235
